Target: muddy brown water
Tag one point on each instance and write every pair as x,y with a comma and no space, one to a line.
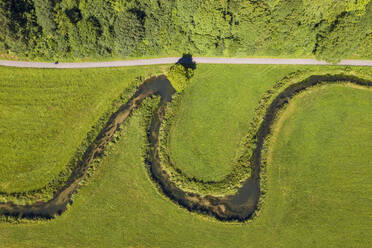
240,206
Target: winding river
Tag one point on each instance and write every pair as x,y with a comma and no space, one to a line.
240,206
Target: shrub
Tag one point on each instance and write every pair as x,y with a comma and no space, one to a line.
178,76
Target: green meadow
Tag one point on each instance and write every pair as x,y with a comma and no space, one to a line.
317,179
214,115
45,116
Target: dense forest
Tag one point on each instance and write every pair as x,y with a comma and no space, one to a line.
72,29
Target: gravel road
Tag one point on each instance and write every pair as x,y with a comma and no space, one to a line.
172,60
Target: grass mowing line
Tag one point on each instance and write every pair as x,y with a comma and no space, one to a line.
206,107
62,198
287,112
240,206
60,117
241,170
47,192
311,146
244,204
136,216
290,109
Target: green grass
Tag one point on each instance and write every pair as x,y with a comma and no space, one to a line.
214,116
121,207
321,165
317,205
46,114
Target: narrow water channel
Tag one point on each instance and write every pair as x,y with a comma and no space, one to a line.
240,206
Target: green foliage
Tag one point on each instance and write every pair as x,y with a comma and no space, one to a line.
343,37
250,26
45,15
365,47
20,29
178,75
129,31
87,36
70,29
4,24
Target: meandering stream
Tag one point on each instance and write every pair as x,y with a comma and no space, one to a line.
240,206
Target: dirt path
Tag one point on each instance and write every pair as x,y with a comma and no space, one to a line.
172,60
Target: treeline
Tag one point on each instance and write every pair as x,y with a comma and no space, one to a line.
54,29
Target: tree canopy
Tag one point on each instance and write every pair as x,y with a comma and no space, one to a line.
179,75
328,29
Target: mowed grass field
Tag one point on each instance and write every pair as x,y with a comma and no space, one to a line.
46,114
214,116
121,206
215,113
320,167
